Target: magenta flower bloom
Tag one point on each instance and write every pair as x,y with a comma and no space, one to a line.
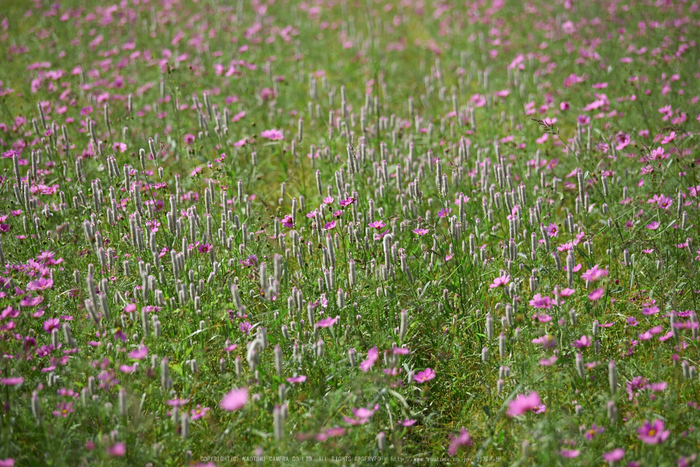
547,341
523,403
592,431
407,422
653,433
51,324
552,230
273,135
614,455
420,232
596,294
456,442
594,273
177,402
444,212
287,221
376,225
297,379
189,138
362,415
566,292
330,225
569,453
346,202
42,283
63,409
140,353
9,462
198,412
245,327
30,301
584,341
372,356
14,381
327,322
118,450
500,281
669,138
236,399
423,376
538,301
549,361
128,368
653,225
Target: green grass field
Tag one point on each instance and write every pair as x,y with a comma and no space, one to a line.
349,233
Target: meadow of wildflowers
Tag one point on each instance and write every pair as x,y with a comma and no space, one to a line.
365,232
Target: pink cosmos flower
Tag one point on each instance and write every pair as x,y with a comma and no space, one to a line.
63,409
30,301
14,381
420,232
330,225
198,412
566,292
653,433
118,450
42,283
614,455
189,138
456,442
523,403
296,379
362,415
652,225
552,230
273,135
594,273
287,221
549,361
128,368
592,431
500,281
51,324
538,301
584,341
596,294
423,376
569,453
669,138
236,399
372,356
140,353
547,341
327,322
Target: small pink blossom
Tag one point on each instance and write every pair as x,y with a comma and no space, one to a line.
523,403
235,399
500,281
423,376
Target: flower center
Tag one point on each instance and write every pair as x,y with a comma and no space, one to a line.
652,432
